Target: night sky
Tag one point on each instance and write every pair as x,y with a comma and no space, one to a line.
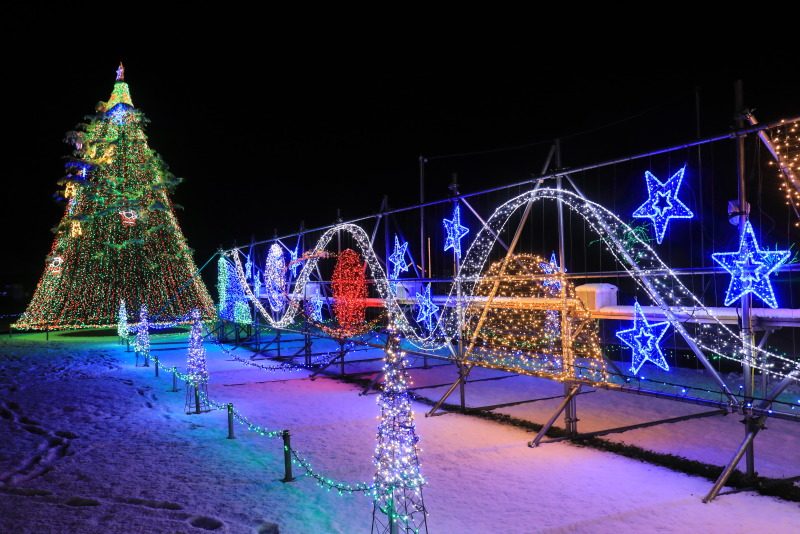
274,132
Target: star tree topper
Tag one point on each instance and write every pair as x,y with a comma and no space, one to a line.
663,203
427,309
455,232
551,267
750,268
644,339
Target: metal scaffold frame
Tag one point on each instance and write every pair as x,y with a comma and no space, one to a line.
461,346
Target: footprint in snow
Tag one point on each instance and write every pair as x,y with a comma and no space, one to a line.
206,523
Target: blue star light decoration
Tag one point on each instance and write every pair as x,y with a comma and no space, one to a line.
750,268
644,339
293,263
427,309
663,203
398,258
315,308
248,269
455,232
551,267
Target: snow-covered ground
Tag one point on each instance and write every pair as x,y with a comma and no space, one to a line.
90,443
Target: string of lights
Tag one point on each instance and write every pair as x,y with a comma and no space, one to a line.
630,249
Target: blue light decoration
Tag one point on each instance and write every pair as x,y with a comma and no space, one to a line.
398,259
248,269
233,300
663,203
314,308
141,343
644,339
293,263
427,309
455,232
551,267
118,114
750,268
275,278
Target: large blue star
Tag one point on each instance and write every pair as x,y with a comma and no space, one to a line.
663,203
454,232
427,309
644,339
398,258
750,268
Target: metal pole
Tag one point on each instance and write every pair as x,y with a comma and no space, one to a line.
230,421
156,367
392,515
570,413
726,473
755,428
287,456
174,382
422,214
746,300
570,395
445,396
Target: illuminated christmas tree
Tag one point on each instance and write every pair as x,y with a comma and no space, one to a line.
141,344
399,506
197,385
122,322
118,238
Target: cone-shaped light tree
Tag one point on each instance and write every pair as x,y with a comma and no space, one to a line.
118,238
398,505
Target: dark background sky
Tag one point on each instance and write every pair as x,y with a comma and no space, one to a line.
291,127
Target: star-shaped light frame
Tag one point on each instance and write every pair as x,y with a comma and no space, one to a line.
427,309
663,203
750,268
455,232
398,258
644,339
293,263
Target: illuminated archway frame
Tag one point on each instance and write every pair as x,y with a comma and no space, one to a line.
652,275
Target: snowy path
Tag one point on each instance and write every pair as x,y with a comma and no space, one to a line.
90,443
